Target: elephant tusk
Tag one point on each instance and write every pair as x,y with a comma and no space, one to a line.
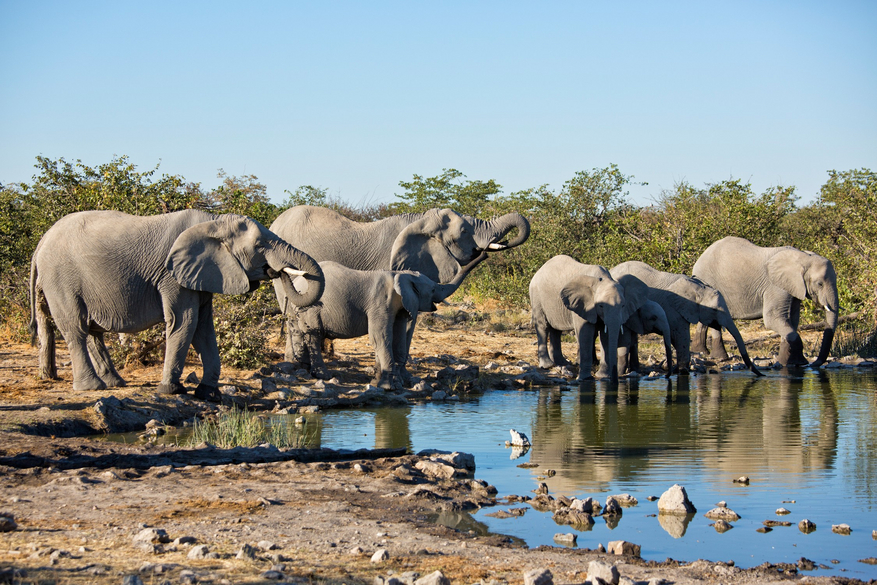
496,247
294,273
606,328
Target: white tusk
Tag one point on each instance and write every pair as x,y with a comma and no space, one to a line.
496,247
827,310
294,273
606,328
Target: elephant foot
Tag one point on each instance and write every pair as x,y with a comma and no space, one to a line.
404,378
603,372
208,393
584,378
546,364
114,381
320,373
89,384
792,353
171,388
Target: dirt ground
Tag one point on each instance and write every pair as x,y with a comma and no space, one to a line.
264,515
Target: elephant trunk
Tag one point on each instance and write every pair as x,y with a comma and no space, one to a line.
609,341
443,291
489,233
290,264
831,317
664,326
728,324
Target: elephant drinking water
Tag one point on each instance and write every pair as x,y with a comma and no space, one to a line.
99,271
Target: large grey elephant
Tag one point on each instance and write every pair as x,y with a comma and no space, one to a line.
770,283
377,303
566,295
99,271
685,301
437,243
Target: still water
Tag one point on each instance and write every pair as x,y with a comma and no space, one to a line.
806,439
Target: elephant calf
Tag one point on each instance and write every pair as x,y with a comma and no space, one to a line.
378,303
99,271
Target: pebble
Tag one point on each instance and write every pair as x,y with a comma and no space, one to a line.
721,526
841,529
722,513
743,479
782,512
434,578
199,551
247,552
568,538
538,577
380,555
806,526
272,575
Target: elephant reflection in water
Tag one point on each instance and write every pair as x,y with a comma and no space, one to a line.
391,428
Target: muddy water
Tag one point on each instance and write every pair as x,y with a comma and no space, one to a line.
806,439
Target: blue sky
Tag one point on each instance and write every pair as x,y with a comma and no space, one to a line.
357,96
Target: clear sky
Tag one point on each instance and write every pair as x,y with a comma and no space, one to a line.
357,96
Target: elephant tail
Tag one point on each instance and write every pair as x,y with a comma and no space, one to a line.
32,326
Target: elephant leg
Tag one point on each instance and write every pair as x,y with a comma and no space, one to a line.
401,360
717,345
603,370
782,316
181,322
554,345
76,335
46,333
381,340
103,363
204,342
632,354
585,338
698,344
400,352
313,342
296,350
681,338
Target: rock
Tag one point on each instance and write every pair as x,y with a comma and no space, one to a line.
538,577
542,488
183,540
436,469
869,561
675,501
152,535
247,552
874,534
600,547
806,526
622,547
841,529
456,458
7,522
266,545
566,539
273,575
357,550
435,578
268,386
675,524
726,514
764,529
721,526
806,564
782,512
652,498
743,479
568,516
380,555
775,523
722,504
199,551
439,395
603,570
612,508
519,439
129,580
626,500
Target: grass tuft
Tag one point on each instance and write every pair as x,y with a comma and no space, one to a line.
242,428
855,338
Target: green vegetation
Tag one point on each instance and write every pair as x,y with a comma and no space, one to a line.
589,218
242,428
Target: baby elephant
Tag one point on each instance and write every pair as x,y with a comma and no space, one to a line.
380,303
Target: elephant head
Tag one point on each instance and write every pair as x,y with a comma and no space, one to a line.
442,241
805,274
599,299
420,294
232,253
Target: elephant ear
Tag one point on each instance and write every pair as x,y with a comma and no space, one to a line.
417,248
199,260
405,285
578,296
682,296
636,293
786,270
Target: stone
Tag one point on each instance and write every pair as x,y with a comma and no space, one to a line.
841,529
622,547
566,539
272,575
538,577
439,395
743,479
7,522
436,468
568,516
626,500
199,551
268,386
726,514
434,578
675,524
266,545
721,526
612,508
380,555
519,439
782,512
603,570
152,535
247,553
806,526
675,501
132,580
357,550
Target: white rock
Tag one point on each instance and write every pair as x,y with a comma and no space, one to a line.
519,439
380,555
434,578
622,547
603,570
721,513
675,501
538,577
199,551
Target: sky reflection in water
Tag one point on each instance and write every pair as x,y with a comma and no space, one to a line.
804,436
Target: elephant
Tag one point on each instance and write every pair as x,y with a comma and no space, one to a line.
106,271
566,295
685,300
437,243
770,283
377,303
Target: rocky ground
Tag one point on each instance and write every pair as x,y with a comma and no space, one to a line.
85,511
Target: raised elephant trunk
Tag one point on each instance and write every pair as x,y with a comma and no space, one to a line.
289,264
728,324
488,234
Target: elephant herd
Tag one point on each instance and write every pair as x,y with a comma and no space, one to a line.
104,271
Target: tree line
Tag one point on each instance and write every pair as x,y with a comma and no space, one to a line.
590,218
